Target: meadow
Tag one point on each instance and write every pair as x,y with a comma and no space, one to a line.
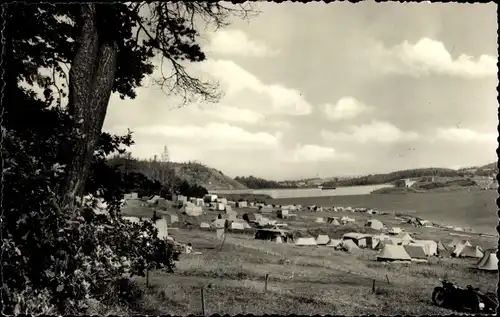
302,280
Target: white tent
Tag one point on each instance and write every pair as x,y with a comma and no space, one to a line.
395,230
392,252
191,209
430,246
466,251
305,241
489,262
241,204
456,242
349,245
219,223
222,201
240,225
374,224
204,225
320,220
154,199
322,239
334,243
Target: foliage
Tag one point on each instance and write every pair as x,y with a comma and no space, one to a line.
257,183
192,190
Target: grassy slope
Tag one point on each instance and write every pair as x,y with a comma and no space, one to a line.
303,280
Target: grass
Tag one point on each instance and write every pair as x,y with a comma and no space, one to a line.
303,280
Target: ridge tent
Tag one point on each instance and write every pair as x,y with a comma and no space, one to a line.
249,217
349,245
237,226
489,262
305,241
219,223
334,243
430,246
395,230
471,252
393,253
320,220
154,199
455,242
443,251
241,204
416,252
374,224
322,239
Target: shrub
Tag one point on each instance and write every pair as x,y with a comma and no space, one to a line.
56,258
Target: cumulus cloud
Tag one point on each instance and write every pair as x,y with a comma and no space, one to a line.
236,80
213,135
376,131
316,153
428,56
463,135
232,114
236,42
345,108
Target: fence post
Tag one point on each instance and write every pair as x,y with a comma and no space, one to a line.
387,277
265,285
147,277
373,286
202,301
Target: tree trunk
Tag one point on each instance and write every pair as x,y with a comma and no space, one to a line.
90,83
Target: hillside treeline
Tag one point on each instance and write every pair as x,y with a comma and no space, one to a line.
375,179
258,183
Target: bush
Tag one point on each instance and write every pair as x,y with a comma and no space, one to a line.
57,258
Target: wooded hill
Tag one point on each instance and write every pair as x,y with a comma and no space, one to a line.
193,172
375,179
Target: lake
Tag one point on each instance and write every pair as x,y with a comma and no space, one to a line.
306,192
474,209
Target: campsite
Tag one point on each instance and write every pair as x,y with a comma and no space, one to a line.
352,261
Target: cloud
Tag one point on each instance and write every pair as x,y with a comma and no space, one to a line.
236,42
232,114
216,136
376,131
236,80
316,153
462,135
345,108
429,56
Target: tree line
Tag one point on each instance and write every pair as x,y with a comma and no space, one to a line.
376,179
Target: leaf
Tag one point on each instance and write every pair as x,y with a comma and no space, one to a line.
60,288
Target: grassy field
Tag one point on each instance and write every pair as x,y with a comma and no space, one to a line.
301,280
476,209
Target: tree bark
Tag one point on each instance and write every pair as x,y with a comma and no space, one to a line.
90,83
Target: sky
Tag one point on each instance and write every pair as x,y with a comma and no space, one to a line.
339,89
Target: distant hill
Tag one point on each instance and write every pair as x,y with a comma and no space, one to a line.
192,172
210,178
